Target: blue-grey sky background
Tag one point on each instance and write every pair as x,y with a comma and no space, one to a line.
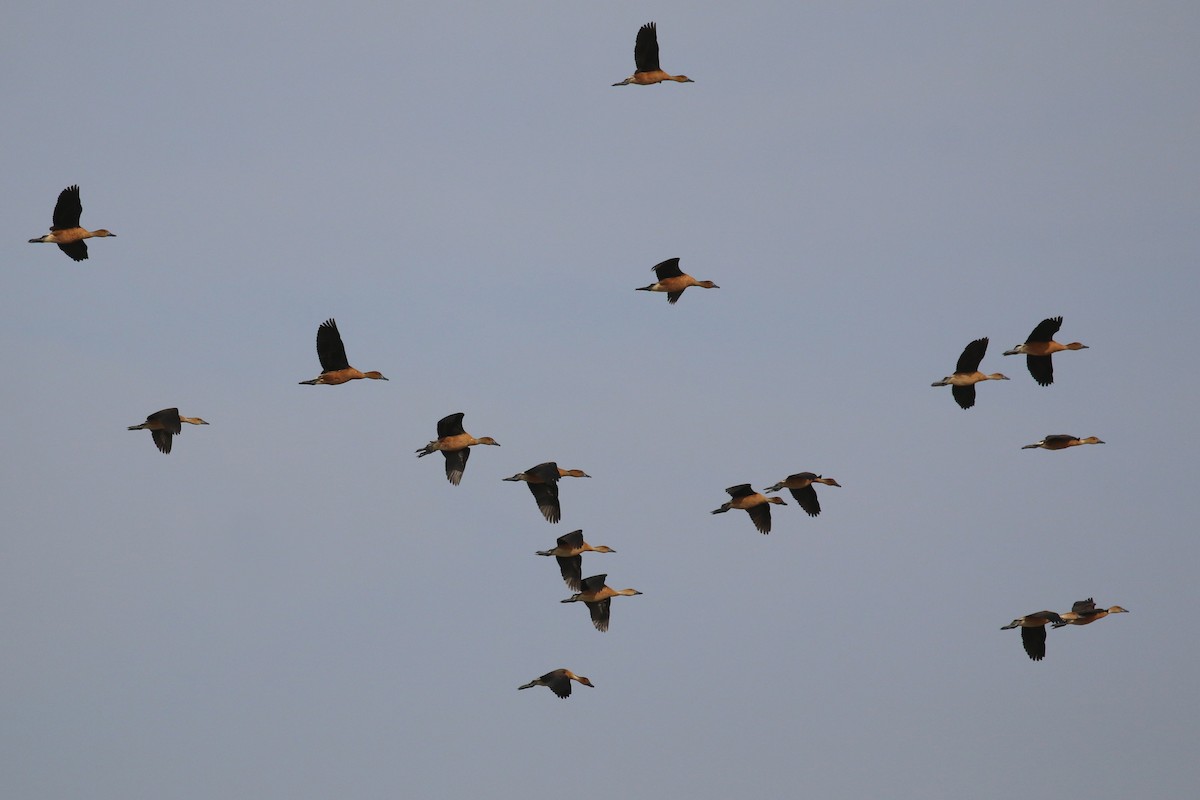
291,605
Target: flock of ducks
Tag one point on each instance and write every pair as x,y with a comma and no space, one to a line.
1037,349
454,443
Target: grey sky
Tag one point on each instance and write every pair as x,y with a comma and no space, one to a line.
291,605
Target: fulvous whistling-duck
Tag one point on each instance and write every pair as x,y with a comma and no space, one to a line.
598,599
645,56
1084,612
673,281
758,506
967,374
453,442
65,232
558,681
164,424
1061,441
801,486
1033,632
335,368
1040,346
569,552
543,483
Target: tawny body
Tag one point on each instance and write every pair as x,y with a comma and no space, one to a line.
569,552
598,598
967,374
1061,441
1084,612
165,424
1040,346
66,231
757,505
453,442
801,487
543,483
1033,632
673,281
335,367
558,681
645,57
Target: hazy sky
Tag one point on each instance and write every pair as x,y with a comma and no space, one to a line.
291,605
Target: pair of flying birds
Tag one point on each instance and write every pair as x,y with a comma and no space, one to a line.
70,237
1033,626
1037,349
758,505
454,444
335,369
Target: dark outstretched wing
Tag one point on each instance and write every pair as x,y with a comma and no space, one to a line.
645,51
163,424
1034,640
593,583
761,517
1045,330
547,472
807,498
741,490
450,426
167,420
972,355
162,440
963,395
572,540
67,211
571,568
330,349
1080,606
667,269
1041,368
600,611
558,683
546,495
673,297
76,250
456,462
